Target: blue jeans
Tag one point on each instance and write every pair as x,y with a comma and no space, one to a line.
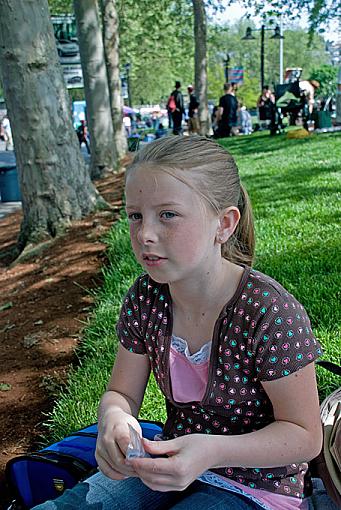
100,493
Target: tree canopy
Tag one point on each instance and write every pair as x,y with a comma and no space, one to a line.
320,12
326,75
227,38
157,40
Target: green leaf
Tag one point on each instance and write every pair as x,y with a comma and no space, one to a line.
5,387
5,306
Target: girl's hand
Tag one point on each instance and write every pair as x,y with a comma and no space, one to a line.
187,458
112,443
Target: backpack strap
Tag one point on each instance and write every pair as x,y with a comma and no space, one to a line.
330,366
327,464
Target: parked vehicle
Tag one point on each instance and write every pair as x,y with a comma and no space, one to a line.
67,48
75,79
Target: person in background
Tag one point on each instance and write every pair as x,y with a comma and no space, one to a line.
178,110
232,351
155,119
169,115
161,131
266,106
7,132
82,133
245,120
193,119
127,124
214,121
227,112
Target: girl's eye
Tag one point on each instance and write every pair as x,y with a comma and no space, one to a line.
134,216
167,215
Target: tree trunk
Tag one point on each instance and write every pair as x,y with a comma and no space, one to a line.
95,87
111,50
54,181
200,60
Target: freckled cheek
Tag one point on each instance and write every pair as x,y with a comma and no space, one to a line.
184,243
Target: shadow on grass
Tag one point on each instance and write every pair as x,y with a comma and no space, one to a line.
294,184
263,142
309,270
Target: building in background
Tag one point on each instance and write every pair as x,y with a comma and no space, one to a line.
65,32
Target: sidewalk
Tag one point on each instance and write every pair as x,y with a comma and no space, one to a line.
8,158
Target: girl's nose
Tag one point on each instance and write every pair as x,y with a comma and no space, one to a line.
147,233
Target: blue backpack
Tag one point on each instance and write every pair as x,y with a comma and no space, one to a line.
47,473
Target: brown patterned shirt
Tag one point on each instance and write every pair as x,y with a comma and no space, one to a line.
263,333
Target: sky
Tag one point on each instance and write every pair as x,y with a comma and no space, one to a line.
234,12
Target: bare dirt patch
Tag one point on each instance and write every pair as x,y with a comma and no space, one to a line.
44,302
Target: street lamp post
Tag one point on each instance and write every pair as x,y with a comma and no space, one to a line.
127,68
262,56
227,62
281,51
249,37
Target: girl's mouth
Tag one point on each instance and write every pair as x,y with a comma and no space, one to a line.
153,260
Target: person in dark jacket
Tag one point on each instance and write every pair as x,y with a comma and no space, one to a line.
193,120
266,107
179,110
227,111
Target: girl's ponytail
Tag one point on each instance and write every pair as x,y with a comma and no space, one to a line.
240,248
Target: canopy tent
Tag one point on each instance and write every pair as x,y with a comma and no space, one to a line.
127,110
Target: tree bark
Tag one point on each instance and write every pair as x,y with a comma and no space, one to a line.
200,62
95,87
54,181
111,50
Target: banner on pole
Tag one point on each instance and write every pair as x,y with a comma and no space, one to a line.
73,75
236,75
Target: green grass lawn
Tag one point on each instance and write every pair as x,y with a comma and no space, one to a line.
295,187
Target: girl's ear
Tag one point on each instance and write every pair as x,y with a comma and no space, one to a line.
228,221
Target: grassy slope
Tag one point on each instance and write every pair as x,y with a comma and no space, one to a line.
295,190
296,194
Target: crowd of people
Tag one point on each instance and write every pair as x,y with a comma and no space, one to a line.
176,110
229,118
179,112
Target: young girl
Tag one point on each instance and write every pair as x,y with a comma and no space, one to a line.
230,348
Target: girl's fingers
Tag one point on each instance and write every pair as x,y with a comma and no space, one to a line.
164,483
118,466
108,471
169,448
155,467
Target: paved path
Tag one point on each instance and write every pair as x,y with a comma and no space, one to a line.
7,158
8,208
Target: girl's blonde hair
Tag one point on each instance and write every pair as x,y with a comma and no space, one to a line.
211,171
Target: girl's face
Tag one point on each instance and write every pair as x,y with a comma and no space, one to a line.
172,231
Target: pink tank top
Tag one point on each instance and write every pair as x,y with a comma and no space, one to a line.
189,376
